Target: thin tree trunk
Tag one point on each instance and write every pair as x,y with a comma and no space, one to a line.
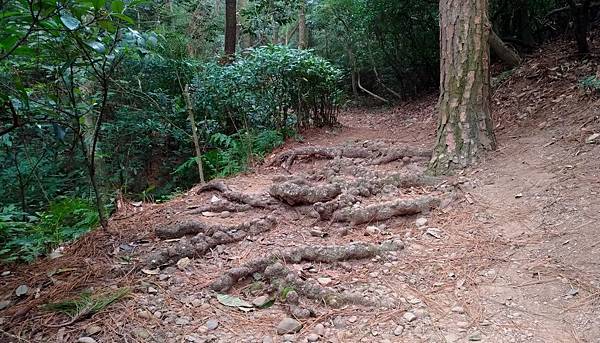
352,61
504,53
581,19
190,110
302,42
465,126
230,29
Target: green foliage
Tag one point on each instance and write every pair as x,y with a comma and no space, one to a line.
272,87
235,153
86,304
26,237
590,83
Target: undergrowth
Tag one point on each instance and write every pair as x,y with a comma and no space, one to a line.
24,237
86,304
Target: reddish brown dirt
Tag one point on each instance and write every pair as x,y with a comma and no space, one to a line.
517,258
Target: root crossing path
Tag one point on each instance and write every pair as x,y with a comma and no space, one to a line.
346,239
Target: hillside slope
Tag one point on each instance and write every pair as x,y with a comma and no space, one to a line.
345,237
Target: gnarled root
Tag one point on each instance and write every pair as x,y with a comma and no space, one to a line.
385,210
301,192
207,238
220,206
254,200
376,152
324,254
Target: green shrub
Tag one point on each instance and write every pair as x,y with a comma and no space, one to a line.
25,237
272,87
590,83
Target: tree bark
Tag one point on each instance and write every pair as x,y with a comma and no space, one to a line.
230,29
465,125
190,110
302,42
504,53
581,20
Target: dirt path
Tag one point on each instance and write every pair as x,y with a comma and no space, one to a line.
507,251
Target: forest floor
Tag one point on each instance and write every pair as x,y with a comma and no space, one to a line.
351,243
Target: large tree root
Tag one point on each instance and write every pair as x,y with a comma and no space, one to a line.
385,210
207,238
254,200
272,268
194,226
220,206
375,152
301,192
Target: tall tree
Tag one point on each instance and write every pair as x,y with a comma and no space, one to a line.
302,42
465,125
230,28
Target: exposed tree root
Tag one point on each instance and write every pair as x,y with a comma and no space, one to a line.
272,268
220,206
374,151
254,200
301,192
208,237
385,210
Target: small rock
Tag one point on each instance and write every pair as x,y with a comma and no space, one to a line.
324,281
339,322
92,330
593,139
319,329
196,302
288,325
145,314
398,330
214,199
373,230
163,277
212,324
141,333
183,263
475,336
409,317
21,290
5,273
420,222
152,290
352,319
434,232
86,340
209,214
182,321
289,338
317,232
4,304
158,314
313,337
458,309
292,297
267,339
261,301
299,312
518,195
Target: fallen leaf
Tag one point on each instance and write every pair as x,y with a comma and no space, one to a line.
231,301
151,271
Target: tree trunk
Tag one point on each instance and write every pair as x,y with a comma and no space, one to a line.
581,20
504,53
230,29
190,110
465,125
302,42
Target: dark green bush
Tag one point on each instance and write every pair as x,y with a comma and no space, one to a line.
272,87
25,237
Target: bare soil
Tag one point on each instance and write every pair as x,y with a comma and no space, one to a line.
510,253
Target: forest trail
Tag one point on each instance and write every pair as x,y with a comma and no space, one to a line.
506,251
